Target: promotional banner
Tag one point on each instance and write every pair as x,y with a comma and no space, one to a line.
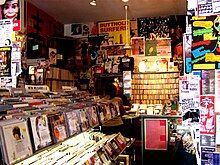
115,31
205,42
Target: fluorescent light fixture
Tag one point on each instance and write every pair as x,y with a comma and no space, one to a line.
124,0
93,3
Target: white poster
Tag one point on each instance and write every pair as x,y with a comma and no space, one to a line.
189,99
6,30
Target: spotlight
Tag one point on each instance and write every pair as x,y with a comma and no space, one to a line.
93,3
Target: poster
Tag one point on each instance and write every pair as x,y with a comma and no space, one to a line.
8,82
137,46
205,7
6,29
150,48
53,56
78,30
189,99
158,128
208,82
205,46
207,115
5,61
208,7
115,31
207,155
13,10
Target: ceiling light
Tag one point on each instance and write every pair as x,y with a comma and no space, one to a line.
124,0
93,3
2,2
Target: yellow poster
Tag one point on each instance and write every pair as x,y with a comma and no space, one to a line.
115,31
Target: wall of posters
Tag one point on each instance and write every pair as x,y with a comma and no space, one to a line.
115,31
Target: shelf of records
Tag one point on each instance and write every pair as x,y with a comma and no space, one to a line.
29,124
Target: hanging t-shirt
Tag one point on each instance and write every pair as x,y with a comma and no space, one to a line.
126,64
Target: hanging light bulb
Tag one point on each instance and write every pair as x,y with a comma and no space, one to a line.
93,3
127,45
2,2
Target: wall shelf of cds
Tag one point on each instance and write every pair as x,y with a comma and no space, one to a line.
154,87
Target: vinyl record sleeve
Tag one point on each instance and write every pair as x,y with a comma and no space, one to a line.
57,127
92,116
83,119
40,131
73,122
16,141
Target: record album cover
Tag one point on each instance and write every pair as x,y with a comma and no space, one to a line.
40,131
73,122
57,127
15,140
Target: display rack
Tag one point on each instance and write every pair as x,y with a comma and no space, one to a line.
154,87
